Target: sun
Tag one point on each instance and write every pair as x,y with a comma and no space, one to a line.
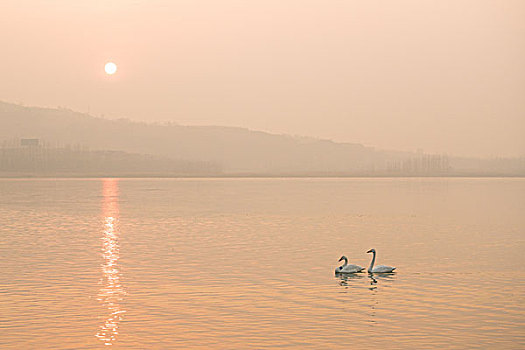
110,68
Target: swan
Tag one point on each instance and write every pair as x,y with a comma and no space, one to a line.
378,268
345,268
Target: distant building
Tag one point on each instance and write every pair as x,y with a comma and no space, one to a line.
29,142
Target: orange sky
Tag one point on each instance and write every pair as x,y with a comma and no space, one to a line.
442,76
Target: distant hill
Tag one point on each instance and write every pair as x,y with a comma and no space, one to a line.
233,150
237,150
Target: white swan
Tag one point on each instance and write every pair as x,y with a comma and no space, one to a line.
346,268
378,268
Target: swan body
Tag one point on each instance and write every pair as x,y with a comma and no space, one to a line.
382,269
348,268
378,268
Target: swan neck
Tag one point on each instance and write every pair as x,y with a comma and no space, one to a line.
372,262
346,261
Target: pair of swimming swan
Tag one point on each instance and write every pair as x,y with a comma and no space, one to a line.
350,268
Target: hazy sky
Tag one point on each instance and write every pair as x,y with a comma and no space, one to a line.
442,76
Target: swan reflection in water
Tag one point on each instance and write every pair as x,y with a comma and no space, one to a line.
354,283
345,280
376,278
111,291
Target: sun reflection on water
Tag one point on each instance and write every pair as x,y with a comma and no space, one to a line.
111,291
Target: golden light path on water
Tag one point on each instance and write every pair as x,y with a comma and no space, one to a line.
111,291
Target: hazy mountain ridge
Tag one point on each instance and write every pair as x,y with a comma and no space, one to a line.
234,150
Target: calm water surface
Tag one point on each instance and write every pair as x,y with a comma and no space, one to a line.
248,263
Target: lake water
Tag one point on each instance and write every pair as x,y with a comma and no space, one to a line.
249,263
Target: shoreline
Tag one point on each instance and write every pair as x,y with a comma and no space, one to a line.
252,176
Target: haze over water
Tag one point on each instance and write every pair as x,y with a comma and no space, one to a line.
248,263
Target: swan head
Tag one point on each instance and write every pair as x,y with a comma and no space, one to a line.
343,258
371,251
